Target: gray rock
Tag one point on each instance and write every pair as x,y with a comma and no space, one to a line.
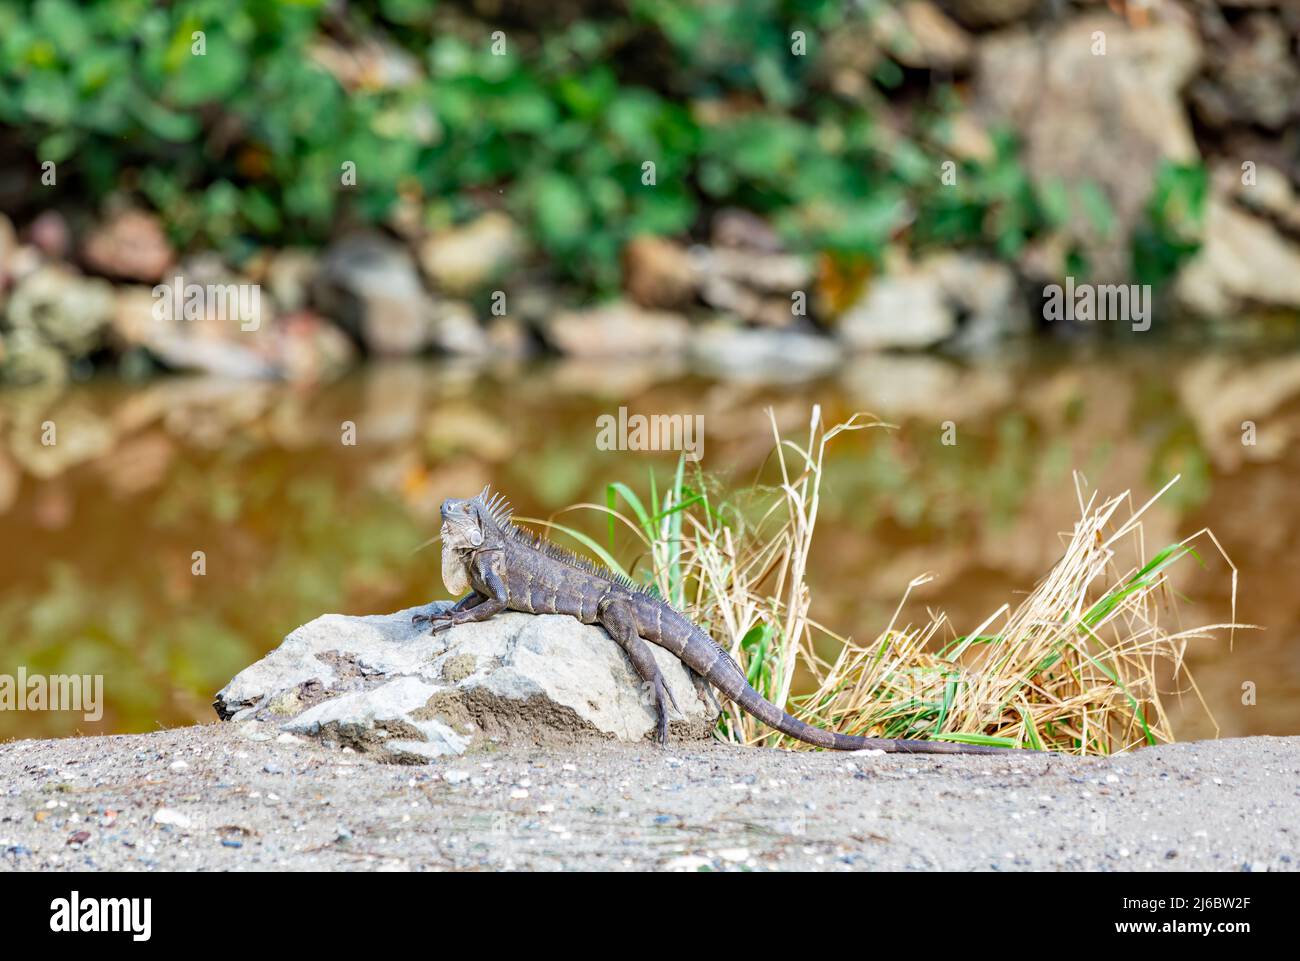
1094,122
1270,196
417,752
961,299
986,297
1243,260
617,328
219,356
755,285
762,354
371,286
1252,77
363,709
368,718
905,311
63,308
658,273
236,333
456,329
774,273
990,13
289,276
381,684
26,358
462,259
918,34
129,245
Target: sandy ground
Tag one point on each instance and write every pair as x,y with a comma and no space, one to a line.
232,797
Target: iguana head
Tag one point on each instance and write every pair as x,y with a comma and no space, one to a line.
462,529
469,525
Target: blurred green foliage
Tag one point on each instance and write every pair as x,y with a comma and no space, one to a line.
244,144
1174,223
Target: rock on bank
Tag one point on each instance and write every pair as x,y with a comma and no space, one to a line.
379,683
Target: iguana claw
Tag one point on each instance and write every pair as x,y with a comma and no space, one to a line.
436,622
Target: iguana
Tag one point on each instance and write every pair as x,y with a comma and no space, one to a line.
500,566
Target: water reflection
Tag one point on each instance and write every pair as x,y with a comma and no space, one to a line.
102,529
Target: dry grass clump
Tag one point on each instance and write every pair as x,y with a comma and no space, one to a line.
1072,667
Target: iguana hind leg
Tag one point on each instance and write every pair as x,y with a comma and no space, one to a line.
704,689
617,618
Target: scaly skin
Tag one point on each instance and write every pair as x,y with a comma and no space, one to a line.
507,568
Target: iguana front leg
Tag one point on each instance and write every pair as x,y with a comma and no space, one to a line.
470,600
491,588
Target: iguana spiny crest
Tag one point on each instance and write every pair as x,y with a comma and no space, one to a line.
483,522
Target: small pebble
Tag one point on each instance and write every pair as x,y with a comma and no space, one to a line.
169,816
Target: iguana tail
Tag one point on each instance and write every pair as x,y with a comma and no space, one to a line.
726,676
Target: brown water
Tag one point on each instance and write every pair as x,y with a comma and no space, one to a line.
100,530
